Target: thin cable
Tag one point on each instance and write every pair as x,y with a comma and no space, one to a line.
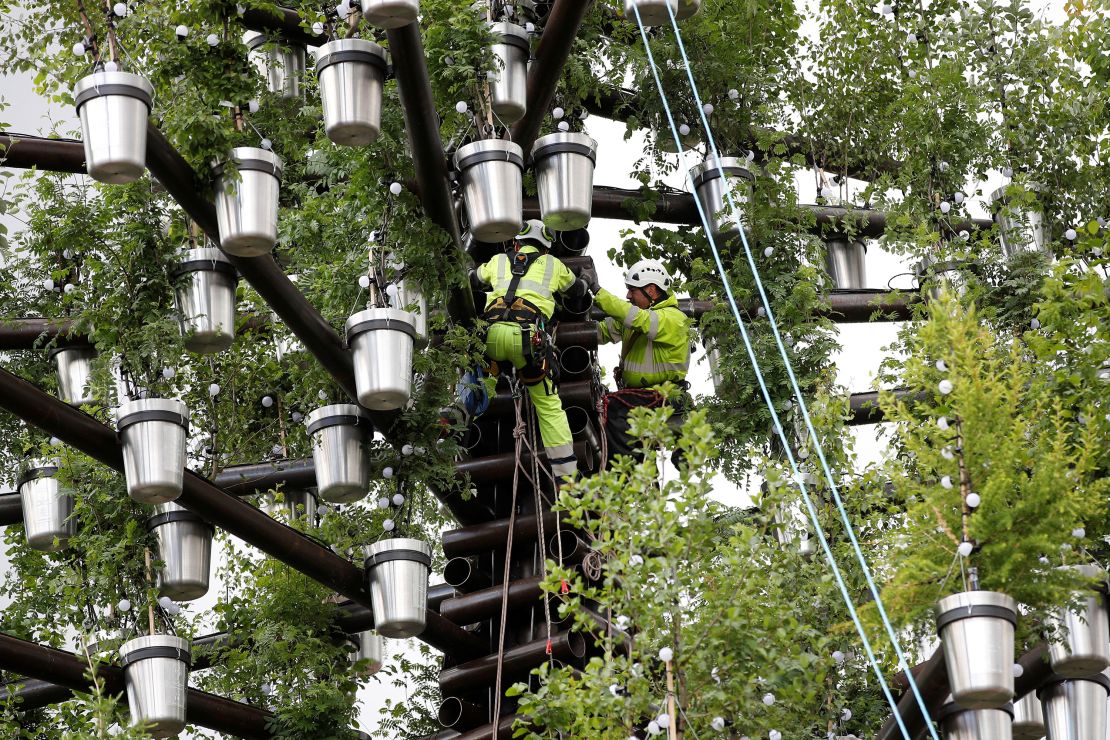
843,587
849,529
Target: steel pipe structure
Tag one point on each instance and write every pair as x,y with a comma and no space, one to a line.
495,467
491,535
18,334
476,675
67,670
485,603
37,152
283,22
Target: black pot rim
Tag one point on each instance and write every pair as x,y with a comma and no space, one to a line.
114,88
951,708
339,420
152,415
714,173
30,474
955,614
157,651
564,147
369,325
182,268
361,56
415,556
167,517
1099,678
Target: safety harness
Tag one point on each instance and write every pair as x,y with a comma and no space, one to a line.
539,362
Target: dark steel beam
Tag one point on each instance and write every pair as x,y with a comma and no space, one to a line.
485,603
66,669
243,480
283,22
575,393
17,334
491,535
545,72
51,155
477,675
865,409
498,467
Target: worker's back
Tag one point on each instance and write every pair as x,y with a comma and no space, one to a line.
543,276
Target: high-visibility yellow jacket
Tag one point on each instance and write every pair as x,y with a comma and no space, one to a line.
656,340
546,276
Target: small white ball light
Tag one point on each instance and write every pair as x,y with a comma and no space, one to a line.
406,450
558,113
886,9
322,395
666,654
769,699
276,450
1043,560
168,373
123,606
213,39
958,197
398,499
383,503
78,49
120,9
297,417
838,656
1070,235
110,66
964,549
912,73
943,166
214,389
941,366
70,287
942,422
461,106
636,561
318,28
846,714
364,281
653,728
708,109
267,401
945,387
973,500
164,602
1035,324
55,442
663,720
387,472
395,188
563,126
388,525
684,130
774,735
48,284
946,482
946,453
718,724
734,94
1079,533
945,206
1019,670
912,38
768,251
266,144
1007,171
252,106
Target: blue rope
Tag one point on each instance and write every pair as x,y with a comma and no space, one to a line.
849,529
812,511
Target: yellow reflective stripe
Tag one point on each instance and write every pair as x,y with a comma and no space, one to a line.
648,365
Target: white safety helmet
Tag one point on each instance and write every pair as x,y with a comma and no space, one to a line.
534,232
648,272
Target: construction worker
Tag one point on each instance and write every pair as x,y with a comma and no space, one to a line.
654,335
519,304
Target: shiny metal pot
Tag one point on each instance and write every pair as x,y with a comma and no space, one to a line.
47,506
370,647
74,372
339,434
281,63
710,188
247,206
1021,228
381,340
154,432
185,548
114,107
156,672
960,723
939,277
205,294
390,13
294,504
976,631
651,12
352,73
846,262
491,172
406,295
397,576
564,165
1075,708
1082,638
508,80
1028,718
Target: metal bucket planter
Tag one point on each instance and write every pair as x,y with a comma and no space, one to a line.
941,276
153,432
381,340
1019,230
185,548
114,107
369,646
47,507
652,12
1075,708
491,172
687,9
1028,718
1085,634
352,73
339,434
846,262
976,631
247,207
710,189
397,574
156,671
390,13
295,504
408,297
74,371
280,63
960,723
508,85
205,295
564,164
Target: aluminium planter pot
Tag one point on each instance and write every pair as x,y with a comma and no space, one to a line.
397,572
294,504
370,647
846,262
47,506
491,172
976,630
247,206
407,296
280,63
1021,227
938,277
710,188
156,672
114,108
1075,708
1081,644
339,434
390,13
74,372
1028,718
508,80
352,74
153,432
651,12
185,548
961,723
564,165
205,294
381,340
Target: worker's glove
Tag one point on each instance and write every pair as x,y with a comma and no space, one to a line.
476,282
578,289
589,277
